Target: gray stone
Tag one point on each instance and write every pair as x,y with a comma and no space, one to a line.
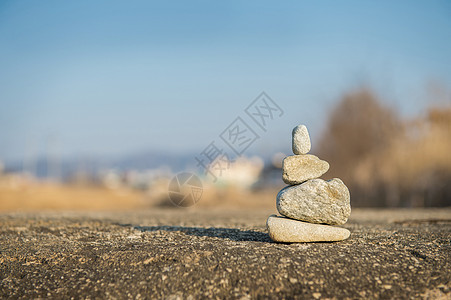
300,168
286,230
316,201
301,140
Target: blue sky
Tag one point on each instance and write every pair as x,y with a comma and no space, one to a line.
116,77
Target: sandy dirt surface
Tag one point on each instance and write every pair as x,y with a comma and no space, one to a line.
191,254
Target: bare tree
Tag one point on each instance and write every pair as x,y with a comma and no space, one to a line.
358,127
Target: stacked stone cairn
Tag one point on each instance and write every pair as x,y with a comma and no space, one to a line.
309,205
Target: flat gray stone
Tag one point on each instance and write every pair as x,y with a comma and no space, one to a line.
316,201
301,140
299,168
286,230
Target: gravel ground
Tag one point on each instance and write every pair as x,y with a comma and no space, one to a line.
191,254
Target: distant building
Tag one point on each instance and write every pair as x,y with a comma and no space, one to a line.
241,173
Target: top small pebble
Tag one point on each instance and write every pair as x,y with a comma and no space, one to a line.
301,140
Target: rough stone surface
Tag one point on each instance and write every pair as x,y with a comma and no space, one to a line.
316,201
299,168
221,253
281,229
301,140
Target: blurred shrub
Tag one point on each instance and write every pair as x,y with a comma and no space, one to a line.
387,161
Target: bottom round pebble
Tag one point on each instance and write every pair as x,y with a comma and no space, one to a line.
286,230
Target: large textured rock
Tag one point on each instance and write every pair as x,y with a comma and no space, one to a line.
316,201
301,140
286,230
300,168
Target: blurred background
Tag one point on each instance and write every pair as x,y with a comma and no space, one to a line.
102,103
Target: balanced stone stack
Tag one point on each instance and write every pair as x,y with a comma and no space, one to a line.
309,205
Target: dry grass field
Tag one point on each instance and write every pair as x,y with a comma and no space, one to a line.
19,195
